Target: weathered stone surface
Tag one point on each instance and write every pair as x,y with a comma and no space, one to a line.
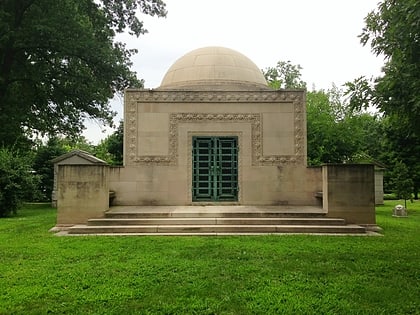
83,193
349,192
215,93
399,211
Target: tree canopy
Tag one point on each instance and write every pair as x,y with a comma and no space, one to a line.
284,75
336,133
393,31
60,63
110,149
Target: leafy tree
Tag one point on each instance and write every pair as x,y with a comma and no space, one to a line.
59,62
336,133
401,144
402,182
43,166
111,148
44,153
17,181
393,31
284,75
320,129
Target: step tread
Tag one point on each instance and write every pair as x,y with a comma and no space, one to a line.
212,215
215,225
219,221
214,211
214,218
220,234
243,228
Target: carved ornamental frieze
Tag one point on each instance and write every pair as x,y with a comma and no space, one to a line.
180,96
135,97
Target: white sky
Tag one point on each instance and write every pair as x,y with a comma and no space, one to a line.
319,35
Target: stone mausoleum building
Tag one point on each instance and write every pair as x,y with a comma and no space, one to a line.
215,141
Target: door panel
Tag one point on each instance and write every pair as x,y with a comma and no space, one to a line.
215,169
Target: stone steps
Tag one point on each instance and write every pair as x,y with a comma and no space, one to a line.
214,221
240,214
234,229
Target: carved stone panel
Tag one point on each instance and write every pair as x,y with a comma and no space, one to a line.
135,97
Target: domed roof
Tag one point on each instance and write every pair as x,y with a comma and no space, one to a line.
214,68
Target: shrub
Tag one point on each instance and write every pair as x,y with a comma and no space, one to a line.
390,196
17,181
44,167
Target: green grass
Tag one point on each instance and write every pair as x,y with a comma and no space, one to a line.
292,274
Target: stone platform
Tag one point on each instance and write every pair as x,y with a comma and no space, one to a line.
215,220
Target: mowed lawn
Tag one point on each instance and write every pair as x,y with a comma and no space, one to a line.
41,273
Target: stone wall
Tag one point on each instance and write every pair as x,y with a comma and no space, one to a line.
379,186
349,192
83,193
270,127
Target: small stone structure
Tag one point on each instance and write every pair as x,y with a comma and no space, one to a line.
399,211
214,133
81,187
349,192
379,185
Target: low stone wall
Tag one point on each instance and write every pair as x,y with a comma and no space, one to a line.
349,192
259,185
83,193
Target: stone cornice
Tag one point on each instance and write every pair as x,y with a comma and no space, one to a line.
176,96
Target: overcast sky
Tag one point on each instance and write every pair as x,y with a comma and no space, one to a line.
321,36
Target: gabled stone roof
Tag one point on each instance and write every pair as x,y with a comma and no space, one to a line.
81,154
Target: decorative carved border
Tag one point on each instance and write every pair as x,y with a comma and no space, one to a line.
147,96
176,96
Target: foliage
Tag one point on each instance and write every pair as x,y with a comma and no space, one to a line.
322,141
337,134
44,153
400,144
17,182
402,182
288,274
393,31
43,166
284,76
59,62
390,196
111,148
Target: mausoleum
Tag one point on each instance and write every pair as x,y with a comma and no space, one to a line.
214,134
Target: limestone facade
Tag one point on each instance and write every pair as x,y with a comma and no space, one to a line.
214,126
270,127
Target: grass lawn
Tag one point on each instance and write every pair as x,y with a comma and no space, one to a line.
292,274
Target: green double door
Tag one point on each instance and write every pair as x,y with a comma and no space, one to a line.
215,169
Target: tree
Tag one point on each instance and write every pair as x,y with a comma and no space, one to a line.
111,148
393,31
17,181
59,62
402,182
43,166
336,133
284,76
45,152
402,146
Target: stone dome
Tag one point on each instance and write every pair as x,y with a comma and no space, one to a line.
214,68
